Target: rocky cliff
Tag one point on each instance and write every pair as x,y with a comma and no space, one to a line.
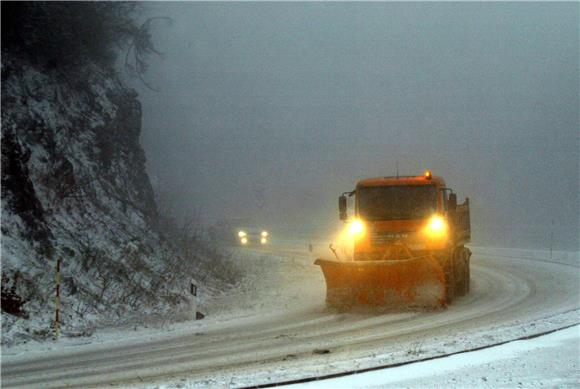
74,187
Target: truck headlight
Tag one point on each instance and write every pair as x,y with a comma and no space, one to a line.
242,234
244,240
263,240
436,227
264,234
356,228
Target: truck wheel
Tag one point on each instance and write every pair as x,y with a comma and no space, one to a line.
467,258
463,257
460,266
449,280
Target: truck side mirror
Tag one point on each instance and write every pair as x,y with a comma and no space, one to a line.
452,203
342,208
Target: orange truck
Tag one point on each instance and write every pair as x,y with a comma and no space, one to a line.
409,236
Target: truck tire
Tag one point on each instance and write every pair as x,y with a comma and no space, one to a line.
450,282
467,253
459,272
462,258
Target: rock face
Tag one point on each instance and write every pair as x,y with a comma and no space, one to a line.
74,187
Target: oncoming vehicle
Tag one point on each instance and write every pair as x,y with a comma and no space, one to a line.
247,236
239,232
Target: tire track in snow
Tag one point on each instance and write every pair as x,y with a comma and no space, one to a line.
501,293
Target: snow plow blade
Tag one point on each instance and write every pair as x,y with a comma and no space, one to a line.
403,283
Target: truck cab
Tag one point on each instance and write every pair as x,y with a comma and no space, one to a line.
418,213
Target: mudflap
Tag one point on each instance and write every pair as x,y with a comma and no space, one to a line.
403,283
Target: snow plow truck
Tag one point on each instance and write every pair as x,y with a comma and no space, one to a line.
409,236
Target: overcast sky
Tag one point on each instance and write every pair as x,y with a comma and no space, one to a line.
272,110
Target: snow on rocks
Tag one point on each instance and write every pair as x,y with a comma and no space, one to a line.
74,186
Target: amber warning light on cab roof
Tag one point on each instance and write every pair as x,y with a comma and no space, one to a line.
428,174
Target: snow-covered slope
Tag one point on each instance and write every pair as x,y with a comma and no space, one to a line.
74,187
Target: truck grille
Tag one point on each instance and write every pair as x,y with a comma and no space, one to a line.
380,238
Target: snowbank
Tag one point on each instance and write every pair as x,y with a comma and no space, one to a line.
550,360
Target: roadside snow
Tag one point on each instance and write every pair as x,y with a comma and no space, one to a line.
285,297
276,275
550,360
565,257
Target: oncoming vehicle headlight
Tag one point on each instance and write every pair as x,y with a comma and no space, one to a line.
242,234
244,240
264,234
263,240
356,228
436,227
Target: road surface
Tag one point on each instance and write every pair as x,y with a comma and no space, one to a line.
277,329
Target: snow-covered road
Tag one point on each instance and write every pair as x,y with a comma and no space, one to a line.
277,329
549,360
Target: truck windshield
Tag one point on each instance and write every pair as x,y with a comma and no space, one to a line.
397,202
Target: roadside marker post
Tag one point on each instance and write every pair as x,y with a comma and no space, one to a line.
57,302
193,300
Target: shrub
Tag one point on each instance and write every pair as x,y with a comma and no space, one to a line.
66,36
11,302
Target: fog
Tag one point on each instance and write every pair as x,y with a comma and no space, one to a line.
271,110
